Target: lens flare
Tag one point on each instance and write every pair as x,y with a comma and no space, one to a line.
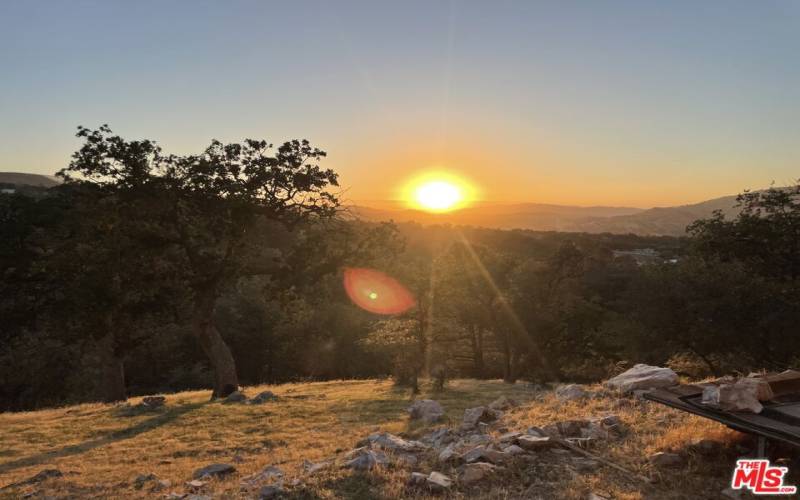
376,292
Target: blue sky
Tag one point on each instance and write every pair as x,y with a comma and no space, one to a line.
626,102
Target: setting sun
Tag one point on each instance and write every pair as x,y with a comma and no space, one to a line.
438,195
438,192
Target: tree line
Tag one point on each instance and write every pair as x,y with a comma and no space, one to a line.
148,272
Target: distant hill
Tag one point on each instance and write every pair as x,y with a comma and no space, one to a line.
668,221
22,179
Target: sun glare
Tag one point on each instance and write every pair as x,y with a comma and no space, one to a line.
438,192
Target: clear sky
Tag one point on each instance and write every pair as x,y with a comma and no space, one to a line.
589,102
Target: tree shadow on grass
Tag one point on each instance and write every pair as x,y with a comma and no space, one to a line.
120,435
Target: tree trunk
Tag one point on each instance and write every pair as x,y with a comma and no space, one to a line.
477,351
508,372
225,378
113,373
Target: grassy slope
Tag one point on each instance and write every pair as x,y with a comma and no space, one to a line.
101,452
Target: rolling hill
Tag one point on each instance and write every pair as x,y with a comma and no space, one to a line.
671,221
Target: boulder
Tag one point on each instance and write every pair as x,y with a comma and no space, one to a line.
449,454
367,459
482,453
513,450
566,428
152,402
143,479
744,395
476,472
271,491
389,441
236,397
427,410
509,437
643,377
571,392
440,437
262,397
417,479
536,431
438,481
533,443
214,470
502,404
406,460
664,459
313,468
474,416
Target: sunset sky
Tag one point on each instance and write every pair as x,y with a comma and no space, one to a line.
636,103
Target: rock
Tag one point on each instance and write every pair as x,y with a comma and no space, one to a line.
142,479
536,431
664,459
567,428
438,481
440,437
214,470
313,468
534,443
473,416
271,491
745,395
195,484
262,397
427,410
367,460
417,479
509,437
267,474
585,464
502,404
476,439
571,392
389,441
449,454
481,453
643,377
236,397
513,450
473,473
197,497
153,402
595,496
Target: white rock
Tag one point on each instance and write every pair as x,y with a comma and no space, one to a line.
389,441
438,481
643,377
571,392
417,479
474,416
503,403
534,443
744,395
427,410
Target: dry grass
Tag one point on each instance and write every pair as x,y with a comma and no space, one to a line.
101,452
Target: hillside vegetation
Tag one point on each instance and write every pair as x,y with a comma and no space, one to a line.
101,449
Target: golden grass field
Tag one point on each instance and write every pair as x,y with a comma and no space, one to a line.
101,452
